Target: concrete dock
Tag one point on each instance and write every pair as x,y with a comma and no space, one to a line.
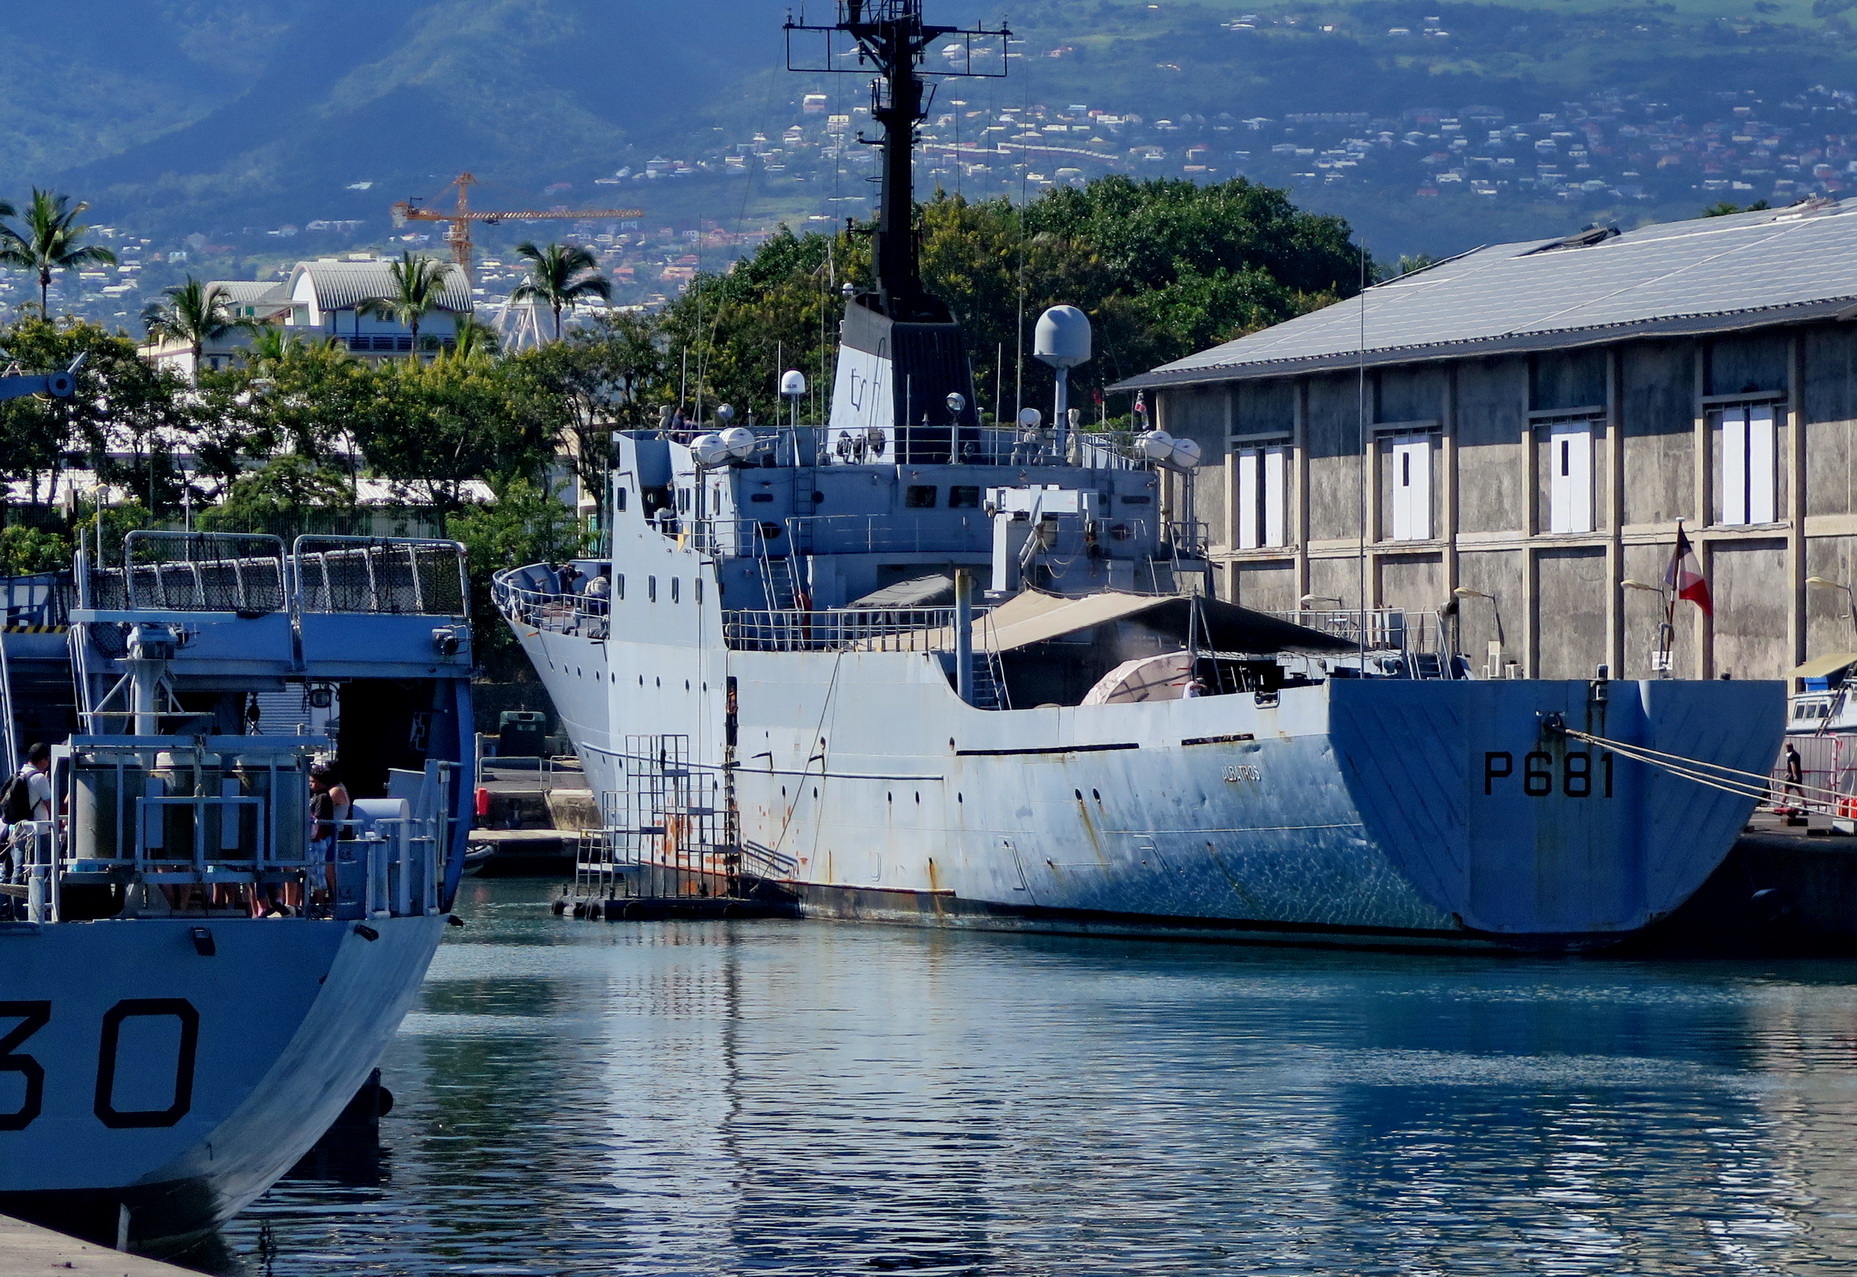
1784,889
26,1250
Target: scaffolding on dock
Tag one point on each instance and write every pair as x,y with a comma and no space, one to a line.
669,845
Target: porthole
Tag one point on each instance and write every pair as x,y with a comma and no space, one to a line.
918,798
815,791
686,685
1096,794
1078,793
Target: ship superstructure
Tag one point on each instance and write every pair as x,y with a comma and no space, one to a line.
191,985
905,665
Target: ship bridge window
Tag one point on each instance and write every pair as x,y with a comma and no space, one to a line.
919,496
964,497
675,589
619,499
683,500
651,588
619,586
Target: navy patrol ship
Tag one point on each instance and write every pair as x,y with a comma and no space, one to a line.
189,992
785,683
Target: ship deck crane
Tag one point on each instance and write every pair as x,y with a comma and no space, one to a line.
458,233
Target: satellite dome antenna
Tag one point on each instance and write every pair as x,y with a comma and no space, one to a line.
1062,341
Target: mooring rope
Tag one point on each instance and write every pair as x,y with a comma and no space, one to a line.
1730,780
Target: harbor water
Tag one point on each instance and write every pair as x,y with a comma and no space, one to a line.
809,1098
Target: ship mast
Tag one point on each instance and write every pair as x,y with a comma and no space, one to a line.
891,36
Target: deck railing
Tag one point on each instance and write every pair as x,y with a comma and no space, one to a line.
923,629
251,575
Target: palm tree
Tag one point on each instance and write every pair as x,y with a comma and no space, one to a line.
561,275
476,342
194,313
418,284
51,240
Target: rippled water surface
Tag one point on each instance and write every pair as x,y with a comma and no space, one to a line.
777,1097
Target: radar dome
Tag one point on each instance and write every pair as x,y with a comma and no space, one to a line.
792,383
1063,337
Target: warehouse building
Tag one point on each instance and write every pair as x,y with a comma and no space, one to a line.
1518,432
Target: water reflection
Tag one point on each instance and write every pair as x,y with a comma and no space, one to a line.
812,1099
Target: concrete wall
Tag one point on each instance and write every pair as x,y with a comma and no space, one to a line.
1559,608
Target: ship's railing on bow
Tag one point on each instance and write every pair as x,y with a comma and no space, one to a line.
525,600
916,629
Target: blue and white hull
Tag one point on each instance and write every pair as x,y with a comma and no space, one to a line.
167,1088
1350,810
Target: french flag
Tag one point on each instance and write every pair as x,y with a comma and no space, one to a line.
1685,575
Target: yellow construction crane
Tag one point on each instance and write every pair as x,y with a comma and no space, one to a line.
458,234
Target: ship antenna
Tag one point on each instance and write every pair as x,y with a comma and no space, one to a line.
891,36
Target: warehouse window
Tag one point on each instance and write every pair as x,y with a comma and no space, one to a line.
1570,477
1749,479
1411,456
1261,486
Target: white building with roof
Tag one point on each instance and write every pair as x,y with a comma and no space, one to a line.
327,296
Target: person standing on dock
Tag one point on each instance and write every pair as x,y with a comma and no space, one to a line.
1795,774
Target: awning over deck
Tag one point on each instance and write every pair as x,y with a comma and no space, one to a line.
1826,665
1033,617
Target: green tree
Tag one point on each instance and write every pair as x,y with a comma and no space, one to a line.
308,399
25,550
1728,208
434,428
277,496
561,276
418,288
476,342
126,416
600,378
51,239
526,523
195,313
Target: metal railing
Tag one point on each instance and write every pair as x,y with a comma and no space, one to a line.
554,612
250,574
39,601
389,867
886,534
402,576
928,629
193,572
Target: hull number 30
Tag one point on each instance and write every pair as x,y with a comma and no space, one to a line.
1575,774
27,1018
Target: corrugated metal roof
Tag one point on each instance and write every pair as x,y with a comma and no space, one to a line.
1707,275
341,285
253,292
